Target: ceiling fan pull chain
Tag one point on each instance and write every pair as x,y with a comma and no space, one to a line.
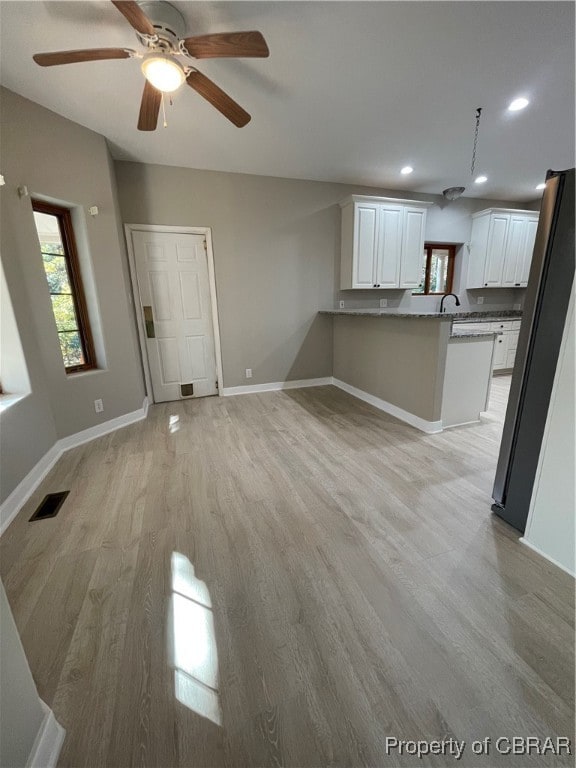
164,111
478,114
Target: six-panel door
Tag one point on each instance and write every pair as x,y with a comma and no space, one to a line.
172,272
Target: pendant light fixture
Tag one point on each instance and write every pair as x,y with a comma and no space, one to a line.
453,193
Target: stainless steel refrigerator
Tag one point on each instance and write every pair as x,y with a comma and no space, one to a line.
543,320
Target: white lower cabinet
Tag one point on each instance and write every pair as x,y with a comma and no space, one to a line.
506,341
500,352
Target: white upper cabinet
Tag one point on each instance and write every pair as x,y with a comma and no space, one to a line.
501,248
389,246
365,245
412,247
382,242
524,264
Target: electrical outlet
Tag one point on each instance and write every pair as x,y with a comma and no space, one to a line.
383,303
341,305
517,306
480,300
98,405
248,373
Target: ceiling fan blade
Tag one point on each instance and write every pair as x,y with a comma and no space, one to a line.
216,96
231,44
88,54
149,108
135,16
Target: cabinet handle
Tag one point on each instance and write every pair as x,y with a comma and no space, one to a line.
378,286
517,284
485,283
499,341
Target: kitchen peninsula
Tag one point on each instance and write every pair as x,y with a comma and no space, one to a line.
415,366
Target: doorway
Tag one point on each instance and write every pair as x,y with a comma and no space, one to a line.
172,272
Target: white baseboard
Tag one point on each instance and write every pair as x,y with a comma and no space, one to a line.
26,487
461,424
547,557
430,427
86,435
48,743
276,385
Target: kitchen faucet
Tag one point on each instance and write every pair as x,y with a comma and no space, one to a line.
445,297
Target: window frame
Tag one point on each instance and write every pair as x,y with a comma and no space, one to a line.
428,248
64,217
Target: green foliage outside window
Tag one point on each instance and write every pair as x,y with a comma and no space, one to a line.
62,304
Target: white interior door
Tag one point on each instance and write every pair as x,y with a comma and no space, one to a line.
174,286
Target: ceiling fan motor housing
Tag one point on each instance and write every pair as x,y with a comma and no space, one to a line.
168,23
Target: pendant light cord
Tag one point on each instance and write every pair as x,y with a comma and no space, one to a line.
478,114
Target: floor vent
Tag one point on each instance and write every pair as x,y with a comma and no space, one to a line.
50,506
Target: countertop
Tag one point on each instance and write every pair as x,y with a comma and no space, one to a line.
486,314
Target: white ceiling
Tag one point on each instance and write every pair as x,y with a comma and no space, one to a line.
352,91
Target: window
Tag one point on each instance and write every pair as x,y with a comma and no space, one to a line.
60,258
437,269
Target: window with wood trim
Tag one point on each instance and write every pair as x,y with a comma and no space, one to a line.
437,269
60,260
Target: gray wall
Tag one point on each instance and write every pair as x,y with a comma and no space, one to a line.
274,244
21,713
380,354
277,258
62,161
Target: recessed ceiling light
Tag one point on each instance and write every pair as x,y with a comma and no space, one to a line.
518,104
541,186
480,179
406,170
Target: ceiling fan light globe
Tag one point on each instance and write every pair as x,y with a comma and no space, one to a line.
163,72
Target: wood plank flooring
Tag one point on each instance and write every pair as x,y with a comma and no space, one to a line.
286,579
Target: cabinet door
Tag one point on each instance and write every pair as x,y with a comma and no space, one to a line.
512,340
525,259
412,247
500,352
496,248
389,247
515,245
365,245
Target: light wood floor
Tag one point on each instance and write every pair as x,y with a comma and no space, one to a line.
287,579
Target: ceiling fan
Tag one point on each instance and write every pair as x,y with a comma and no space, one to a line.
168,64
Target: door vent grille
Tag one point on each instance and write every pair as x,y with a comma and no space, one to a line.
50,506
